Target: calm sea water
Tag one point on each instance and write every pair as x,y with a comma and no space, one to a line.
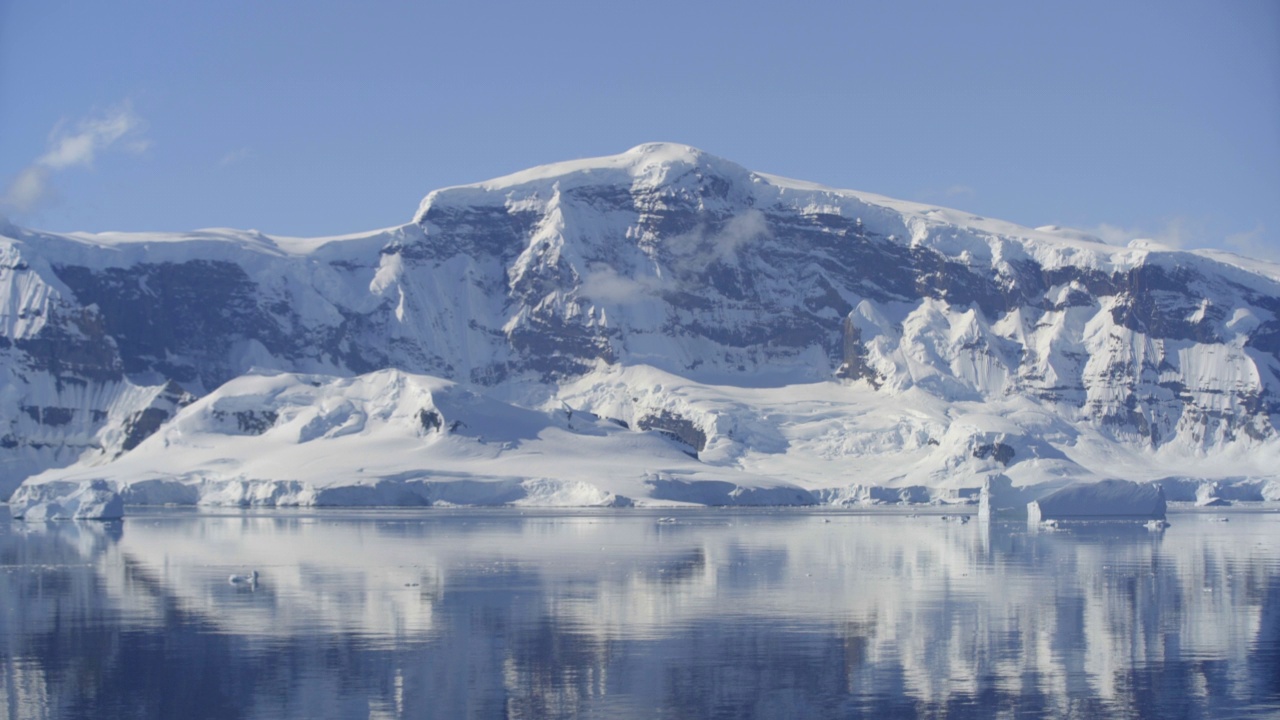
636,614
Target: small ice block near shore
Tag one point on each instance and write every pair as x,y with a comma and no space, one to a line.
999,499
1102,500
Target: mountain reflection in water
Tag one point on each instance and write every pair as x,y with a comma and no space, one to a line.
503,613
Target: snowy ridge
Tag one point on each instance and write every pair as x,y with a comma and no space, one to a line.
786,334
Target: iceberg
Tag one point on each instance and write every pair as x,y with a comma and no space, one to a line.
1000,500
1102,500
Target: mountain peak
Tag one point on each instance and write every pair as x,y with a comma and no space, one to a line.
667,154
664,156
669,151
649,164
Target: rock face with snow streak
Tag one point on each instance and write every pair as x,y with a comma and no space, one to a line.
556,284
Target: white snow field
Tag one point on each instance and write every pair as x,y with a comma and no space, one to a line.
658,327
390,438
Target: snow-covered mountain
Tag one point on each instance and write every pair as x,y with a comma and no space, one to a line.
660,324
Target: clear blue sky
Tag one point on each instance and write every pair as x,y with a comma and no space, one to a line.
1151,118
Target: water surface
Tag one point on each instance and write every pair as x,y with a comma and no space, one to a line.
636,614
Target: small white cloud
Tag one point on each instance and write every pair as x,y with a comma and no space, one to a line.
1184,233
28,190
1178,232
234,157
740,230
603,284
700,247
1254,243
1112,234
76,147
949,194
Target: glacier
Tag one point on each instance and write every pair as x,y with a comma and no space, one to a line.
661,326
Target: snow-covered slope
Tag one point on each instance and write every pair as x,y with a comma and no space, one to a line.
389,438
785,332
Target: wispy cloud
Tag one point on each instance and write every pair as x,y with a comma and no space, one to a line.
959,191
1184,233
1177,232
740,230
1254,243
950,194
603,284
70,146
703,247
234,157
693,251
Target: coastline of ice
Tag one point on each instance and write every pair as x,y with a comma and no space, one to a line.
995,501
93,500
391,438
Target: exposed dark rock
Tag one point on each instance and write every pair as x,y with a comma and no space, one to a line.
854,361
51,416
249,422
676,427
155,313
254,422
142,425
999,452
430,420
73,346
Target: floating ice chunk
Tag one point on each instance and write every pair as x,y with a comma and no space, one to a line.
1211,495
1271,491
92,500
250,580
1102,500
